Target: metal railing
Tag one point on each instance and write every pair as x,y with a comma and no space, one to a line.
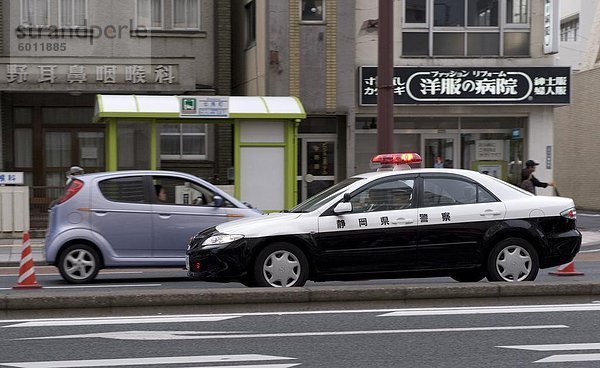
40,199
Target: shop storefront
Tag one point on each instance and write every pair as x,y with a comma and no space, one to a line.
487,119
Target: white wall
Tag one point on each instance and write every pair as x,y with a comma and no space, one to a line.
540,134
572,52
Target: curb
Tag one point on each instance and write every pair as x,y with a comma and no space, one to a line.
40,299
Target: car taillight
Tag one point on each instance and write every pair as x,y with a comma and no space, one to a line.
571,214
74,187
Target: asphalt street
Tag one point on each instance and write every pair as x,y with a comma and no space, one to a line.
515,335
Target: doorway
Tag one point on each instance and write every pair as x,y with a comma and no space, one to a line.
317,162
440,150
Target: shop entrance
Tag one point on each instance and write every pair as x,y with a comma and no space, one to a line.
316,171
440,150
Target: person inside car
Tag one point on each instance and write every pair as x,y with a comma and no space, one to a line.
161,193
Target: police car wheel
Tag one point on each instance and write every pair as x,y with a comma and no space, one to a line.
475,275
79,263
281,265
513,260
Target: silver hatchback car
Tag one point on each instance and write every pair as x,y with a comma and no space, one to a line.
132,219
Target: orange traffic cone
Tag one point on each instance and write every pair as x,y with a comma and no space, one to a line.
567,270
26,269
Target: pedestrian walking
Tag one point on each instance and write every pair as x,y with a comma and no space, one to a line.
528,172
526,182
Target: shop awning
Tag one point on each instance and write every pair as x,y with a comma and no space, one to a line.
168,107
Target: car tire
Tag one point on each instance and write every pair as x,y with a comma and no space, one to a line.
79,264
513,260
474,275
280,265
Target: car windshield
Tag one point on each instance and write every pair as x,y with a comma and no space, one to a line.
320,198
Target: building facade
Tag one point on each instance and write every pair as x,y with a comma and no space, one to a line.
58,54
576,125
475,82
303,49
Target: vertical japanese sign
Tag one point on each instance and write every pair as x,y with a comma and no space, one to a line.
551,26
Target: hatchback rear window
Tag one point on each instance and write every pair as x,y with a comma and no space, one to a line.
130,190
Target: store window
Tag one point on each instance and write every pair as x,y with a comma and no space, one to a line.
312,10
186,14
466,28
73,13
183,141
34,13
490,144
149,14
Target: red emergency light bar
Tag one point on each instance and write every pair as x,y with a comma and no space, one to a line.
395,161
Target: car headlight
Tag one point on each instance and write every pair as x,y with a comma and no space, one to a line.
220,240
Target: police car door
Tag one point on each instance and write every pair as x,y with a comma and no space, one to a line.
378,235
454,215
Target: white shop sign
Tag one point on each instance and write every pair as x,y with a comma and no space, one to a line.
11,178
489,150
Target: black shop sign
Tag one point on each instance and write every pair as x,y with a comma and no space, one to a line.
481,86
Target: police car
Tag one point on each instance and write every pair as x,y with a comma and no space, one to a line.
395,223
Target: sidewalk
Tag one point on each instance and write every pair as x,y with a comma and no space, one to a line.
10,249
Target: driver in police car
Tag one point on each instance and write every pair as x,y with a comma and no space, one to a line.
529,169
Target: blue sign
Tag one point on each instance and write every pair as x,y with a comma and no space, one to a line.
516,133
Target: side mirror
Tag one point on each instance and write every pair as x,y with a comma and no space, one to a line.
343,207
347,197
218,200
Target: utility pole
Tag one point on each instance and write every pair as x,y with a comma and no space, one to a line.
385,75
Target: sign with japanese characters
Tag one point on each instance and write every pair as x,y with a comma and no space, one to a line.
482,86
83,74
11,178
204,106
490,149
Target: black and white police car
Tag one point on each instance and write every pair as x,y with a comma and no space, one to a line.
395,223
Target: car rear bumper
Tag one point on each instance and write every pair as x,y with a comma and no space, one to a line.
563,247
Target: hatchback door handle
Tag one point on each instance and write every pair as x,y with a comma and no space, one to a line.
490,213
403,221
164,215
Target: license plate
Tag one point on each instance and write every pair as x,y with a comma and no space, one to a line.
187,262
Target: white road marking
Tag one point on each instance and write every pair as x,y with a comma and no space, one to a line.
95,286
257,366
493,310
555,347
147,361
562,358
588,214
589,251
121,321
408,312
196,335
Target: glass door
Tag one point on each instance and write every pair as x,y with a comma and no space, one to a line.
440,150
316,170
